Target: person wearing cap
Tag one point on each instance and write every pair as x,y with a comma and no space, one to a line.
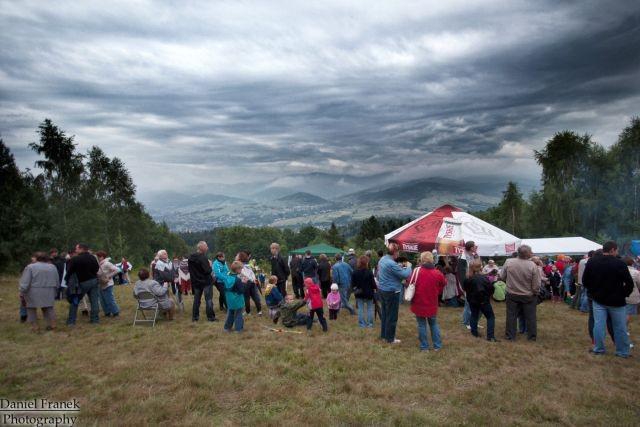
341,273
352,259
333,302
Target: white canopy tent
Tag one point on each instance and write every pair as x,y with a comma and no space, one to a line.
561,245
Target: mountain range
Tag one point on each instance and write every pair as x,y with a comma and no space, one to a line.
277,206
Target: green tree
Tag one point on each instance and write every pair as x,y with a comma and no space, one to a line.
333,236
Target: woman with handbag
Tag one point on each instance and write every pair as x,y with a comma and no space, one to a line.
364,286
427,283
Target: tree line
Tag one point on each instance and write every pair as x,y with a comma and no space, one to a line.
76,197
585,190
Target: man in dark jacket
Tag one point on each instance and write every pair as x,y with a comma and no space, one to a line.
201,282
309,267
59,263
608,283
296,277
85,266
279,268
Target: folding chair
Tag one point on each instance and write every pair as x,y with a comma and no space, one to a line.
155,308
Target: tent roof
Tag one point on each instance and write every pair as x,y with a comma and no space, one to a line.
561,245
318,249
423,233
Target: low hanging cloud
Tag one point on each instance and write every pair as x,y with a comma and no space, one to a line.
213,95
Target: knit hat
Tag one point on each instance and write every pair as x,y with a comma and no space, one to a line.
334,286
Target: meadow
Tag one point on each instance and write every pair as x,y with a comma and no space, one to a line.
184,373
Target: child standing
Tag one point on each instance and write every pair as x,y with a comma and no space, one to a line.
555,282
234,295
333,302
273,298
313,297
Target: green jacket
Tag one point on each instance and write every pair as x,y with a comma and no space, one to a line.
235,301
499,290
288,312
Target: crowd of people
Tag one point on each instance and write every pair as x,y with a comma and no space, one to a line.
600,284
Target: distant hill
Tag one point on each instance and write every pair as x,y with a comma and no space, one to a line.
304,198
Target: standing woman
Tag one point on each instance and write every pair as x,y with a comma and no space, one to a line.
324,273
38,287
479,291
429,283
364,286
105,277
251,287
184,276
220,270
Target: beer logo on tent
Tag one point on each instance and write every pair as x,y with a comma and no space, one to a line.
410,247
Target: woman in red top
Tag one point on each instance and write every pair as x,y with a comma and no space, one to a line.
429,283
313,297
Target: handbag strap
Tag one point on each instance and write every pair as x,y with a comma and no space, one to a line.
414,276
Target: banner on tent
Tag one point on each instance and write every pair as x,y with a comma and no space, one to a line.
449,240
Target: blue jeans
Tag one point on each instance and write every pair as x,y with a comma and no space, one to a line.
487,310
88,287
108,301
389,306
466,314
422,332
368,322
345,293
619,324
234,317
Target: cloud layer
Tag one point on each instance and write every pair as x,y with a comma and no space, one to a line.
215,94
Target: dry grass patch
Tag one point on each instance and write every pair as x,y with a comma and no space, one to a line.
194,374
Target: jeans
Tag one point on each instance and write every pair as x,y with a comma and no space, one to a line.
88,287
422,332
591,322
345,294
321,319
368,322
466,314
252,293
487,310
390,303
522,323
325,287
207,291
234,317
575,303
108,301
525,304
619,324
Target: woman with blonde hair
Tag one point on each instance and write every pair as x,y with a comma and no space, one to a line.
429,282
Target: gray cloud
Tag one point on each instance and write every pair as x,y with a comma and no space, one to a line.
209,94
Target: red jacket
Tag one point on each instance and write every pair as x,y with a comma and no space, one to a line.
313,294
429,283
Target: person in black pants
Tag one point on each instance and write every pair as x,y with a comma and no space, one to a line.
479,291
201,282
279,268
324,274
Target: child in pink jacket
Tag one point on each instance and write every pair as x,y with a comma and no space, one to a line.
333,302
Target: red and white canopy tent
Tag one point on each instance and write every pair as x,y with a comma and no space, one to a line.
447,228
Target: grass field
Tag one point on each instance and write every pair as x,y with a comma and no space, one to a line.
182,373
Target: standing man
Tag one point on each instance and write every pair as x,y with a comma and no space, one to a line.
280,269
201,282
309,267
579,287
296,277
390,277
352,259
59,263
609,283
85,266
523,285
341,272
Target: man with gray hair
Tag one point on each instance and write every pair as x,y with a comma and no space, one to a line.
523,285
201,282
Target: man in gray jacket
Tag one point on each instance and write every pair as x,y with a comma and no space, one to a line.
523,285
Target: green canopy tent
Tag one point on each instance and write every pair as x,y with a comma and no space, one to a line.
316,250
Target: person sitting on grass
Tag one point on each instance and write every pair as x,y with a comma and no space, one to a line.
234,287
479,291
289,312
313,297
333,302
161,293
273,298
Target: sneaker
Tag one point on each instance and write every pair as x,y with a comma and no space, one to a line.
259,313
469,326
492,340
479,327
396,341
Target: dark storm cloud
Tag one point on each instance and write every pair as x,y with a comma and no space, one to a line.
200,94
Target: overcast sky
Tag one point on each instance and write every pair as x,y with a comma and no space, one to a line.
219,93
